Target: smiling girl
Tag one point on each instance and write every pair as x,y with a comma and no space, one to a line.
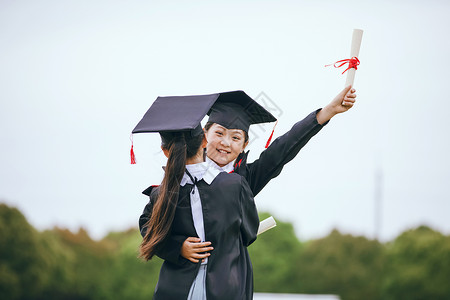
227,136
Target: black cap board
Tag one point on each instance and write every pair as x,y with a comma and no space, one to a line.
236,110
233,110
176,113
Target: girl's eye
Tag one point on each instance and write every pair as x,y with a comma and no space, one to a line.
236,138
218,133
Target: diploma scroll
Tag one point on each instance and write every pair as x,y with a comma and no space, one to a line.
266,224
354,52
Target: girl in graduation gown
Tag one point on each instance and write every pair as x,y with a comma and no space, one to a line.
196,201
227,135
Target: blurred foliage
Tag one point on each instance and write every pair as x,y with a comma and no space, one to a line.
349,266
418,266
60,264
22,257
272,255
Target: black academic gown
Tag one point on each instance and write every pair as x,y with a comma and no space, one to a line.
280,152
231,224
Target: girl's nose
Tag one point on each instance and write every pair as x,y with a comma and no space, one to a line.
225,142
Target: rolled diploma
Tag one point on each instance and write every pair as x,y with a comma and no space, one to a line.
266,224
354,51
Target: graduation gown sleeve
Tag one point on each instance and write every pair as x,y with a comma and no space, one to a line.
250,219
280,152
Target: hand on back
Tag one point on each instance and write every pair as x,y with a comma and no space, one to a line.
194,250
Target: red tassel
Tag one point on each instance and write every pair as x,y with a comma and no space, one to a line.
271,135
235,166
133,158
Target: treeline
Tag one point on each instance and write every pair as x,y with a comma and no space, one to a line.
59,264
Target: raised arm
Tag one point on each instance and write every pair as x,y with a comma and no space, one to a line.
280,152
286,147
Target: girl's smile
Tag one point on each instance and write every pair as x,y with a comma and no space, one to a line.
224,145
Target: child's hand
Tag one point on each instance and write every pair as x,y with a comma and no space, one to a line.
341,103
344,100
193,250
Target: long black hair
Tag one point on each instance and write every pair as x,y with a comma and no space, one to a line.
181,146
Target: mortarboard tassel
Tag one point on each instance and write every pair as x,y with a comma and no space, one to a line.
271,135
133,158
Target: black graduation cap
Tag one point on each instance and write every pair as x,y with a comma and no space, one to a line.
233,110
176,113
236,110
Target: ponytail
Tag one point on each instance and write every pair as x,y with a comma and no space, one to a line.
181,147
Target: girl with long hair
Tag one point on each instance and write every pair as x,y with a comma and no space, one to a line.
195,200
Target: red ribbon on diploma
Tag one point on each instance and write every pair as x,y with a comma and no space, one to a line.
352,63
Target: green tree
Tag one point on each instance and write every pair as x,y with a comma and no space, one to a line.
22,262
351,267
59,264
130,277
418,266
273,255
87,262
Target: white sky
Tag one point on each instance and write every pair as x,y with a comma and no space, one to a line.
76,77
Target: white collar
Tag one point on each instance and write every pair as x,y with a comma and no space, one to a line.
227,168
200,171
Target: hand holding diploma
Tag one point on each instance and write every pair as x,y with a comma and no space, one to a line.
341,103
346,98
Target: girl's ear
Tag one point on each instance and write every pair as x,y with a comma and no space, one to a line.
166,152
245,145
204,142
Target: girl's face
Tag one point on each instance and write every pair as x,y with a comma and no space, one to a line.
224,145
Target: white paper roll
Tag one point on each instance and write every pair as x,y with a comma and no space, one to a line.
266,224
354,51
